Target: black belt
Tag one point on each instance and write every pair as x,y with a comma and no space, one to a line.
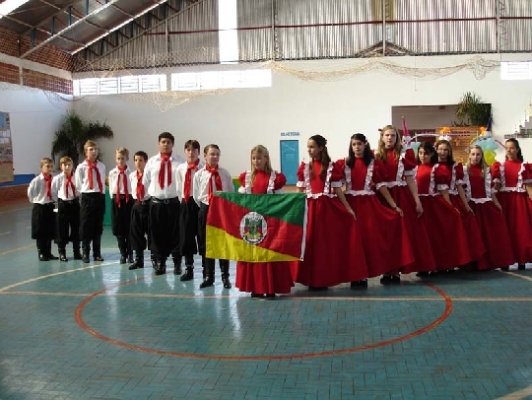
173,200
75,200
142,203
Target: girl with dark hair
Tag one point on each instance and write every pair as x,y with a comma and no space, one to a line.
400,163
488,215
459,200
385,239
334,252
443,222
513,184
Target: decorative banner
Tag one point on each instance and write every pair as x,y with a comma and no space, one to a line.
6,149
256,227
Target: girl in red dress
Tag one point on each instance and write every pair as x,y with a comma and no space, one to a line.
513,183
333,253
385,237
447,235
460,202
263,280
488,212
400,163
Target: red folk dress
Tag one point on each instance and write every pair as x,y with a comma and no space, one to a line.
471,226
385,238
270,277
397,169
516,205
492,224
448,238
333,252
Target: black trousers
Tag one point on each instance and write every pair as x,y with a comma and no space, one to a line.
188,227
92,211
121,215
43,222
138,229
164,227
67,222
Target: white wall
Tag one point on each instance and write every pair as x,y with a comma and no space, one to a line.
34,117
240,119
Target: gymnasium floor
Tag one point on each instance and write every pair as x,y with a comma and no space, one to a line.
99,331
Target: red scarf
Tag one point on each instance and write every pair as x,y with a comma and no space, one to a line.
188,178
217,180
165,159
48,181
69,184
94,167
140,187
121,173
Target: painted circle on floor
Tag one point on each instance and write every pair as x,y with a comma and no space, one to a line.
219,338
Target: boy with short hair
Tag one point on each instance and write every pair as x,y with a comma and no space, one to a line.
89,180
42,214
121,203
139,214
188,220
67,219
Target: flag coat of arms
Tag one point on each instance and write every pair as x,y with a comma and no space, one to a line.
256,227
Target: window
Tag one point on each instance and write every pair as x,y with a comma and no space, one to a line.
120,85
213,80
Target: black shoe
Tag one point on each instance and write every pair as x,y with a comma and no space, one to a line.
123,259
130,259
422,273
188,275
136,265
318,288
257,296
227,283
359,284
98,257
86,258
63,257
396,279
43,257
505,269
206,283
521,267
78,256
177,269
386,279
270,296
52,257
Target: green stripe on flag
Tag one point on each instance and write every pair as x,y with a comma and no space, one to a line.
288,207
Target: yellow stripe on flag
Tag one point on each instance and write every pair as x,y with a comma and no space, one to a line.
222,245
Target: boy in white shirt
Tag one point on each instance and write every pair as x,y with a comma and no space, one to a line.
67,197
209,179
42,214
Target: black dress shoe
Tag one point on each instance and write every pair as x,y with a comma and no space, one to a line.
505,269
98,258
52,257
123,259
130,259
363,284
386,279
43,257
187,276
318,288
521,267
395,279
206,283
257,296
177,270
78,256
86,258
63,257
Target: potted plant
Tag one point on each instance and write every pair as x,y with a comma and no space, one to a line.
74,131
472,112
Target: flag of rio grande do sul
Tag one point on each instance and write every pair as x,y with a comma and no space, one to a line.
256,227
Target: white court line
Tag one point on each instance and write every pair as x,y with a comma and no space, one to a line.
525,277
5,233
520,394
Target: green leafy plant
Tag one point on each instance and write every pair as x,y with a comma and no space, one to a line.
472,112
74,131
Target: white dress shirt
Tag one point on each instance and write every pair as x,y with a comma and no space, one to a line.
37,191
151,177
114,175
81,178
59,188
181,173
203,178
133,181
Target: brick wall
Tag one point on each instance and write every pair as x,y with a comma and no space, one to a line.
14,45
10,193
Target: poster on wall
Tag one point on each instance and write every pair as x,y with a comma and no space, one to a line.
6,149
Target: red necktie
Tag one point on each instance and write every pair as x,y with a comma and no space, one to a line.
121,173
48,180
165,159
94,167
188,178
217,180
140,187
69,183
